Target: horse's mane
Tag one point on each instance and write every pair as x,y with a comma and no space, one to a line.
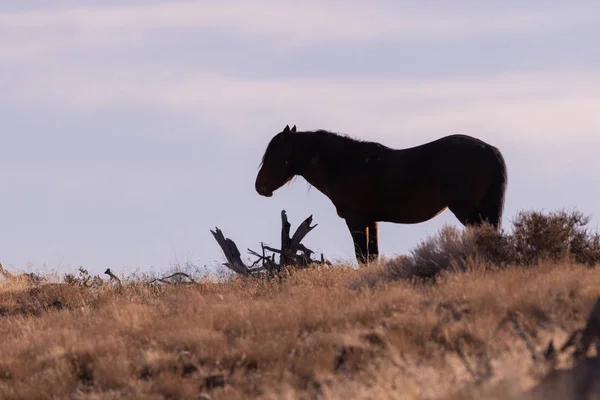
337,145
341,144
341,137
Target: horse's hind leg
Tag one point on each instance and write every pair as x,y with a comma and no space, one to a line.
487,210
466,214
491,206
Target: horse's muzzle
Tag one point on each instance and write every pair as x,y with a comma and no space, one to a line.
263,191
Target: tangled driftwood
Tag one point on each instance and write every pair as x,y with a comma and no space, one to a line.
292,251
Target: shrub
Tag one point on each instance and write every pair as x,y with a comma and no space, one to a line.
535,237
555,236
83,279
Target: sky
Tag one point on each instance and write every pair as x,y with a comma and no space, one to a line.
129,129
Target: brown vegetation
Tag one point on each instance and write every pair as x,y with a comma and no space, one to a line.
472,331
535,237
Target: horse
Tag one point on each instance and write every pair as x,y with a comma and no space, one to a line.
368,182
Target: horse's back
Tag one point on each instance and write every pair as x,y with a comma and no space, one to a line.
460,148
453,161
457,140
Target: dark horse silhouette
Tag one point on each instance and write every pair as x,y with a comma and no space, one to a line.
369,182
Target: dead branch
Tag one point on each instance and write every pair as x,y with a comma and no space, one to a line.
234,260
292,251
291,246
285,238
114,277
268,264
164,279
303,229
179,274
271,249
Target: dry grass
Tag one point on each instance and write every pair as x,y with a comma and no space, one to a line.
309,336
324,332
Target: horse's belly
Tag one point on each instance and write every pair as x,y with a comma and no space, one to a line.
407,206
414,207
412,215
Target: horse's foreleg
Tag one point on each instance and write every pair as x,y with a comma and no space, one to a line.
373,241
359,231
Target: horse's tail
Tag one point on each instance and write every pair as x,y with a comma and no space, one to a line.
492,203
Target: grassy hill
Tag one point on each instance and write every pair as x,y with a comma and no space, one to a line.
448,321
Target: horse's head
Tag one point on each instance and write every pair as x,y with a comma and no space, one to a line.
276,169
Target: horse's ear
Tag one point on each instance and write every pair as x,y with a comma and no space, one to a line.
286,131
293,129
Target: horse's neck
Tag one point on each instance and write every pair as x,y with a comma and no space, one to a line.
312,166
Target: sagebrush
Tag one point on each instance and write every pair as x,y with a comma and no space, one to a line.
535,237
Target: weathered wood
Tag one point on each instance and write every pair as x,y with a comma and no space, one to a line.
114,277
165,279
293,245
288,254
303,229
267,263
284,255
271,249
234,260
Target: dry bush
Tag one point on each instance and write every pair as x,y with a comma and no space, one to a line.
84,279
554,236
536,237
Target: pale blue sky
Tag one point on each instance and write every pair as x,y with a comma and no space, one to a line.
128,129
